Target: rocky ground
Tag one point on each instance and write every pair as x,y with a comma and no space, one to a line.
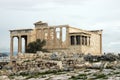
61,67
81,74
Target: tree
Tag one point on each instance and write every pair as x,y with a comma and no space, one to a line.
35,46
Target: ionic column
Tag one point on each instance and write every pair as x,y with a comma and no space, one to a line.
101,43
36,34
60,36
48,37
54,41
75,40
19,44
42,34
28,39
89,41
80,40
25,44
11,47
84,40
67,36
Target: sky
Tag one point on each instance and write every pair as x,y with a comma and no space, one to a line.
83,14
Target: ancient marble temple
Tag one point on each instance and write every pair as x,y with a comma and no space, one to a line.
60,38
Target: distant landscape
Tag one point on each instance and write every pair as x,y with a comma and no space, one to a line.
8,53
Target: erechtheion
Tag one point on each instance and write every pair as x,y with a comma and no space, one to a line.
60,38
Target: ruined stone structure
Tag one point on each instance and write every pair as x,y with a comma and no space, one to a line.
61,38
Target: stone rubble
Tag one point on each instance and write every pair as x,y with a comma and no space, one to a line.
48,65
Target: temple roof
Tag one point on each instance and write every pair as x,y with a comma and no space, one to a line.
80,33
39,22
21,30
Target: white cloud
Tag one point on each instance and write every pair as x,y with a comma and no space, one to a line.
114,43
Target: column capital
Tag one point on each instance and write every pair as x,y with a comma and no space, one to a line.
11,36
19,35
54,27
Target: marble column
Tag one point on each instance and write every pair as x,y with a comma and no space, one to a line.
28,39
60,36
101,43
11,47
42,34
54,41
19,44
25,44
81,40
75,42
48,37
84,40
89,41
67,37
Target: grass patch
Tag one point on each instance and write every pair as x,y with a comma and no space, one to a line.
29,75
100,76
11,77
87,70
51,72
58,73
116,72
80,76
38,74
113,73
26,61
109,74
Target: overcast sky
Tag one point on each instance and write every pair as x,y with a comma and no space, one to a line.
84,14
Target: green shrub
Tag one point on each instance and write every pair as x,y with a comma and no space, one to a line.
35,46
99,76
80,76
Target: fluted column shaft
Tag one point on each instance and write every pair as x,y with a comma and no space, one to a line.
89,41
60,36
101,43
80,40
11,48
19,44
75,42
42,34
54,37
48,37
67,37
84,40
